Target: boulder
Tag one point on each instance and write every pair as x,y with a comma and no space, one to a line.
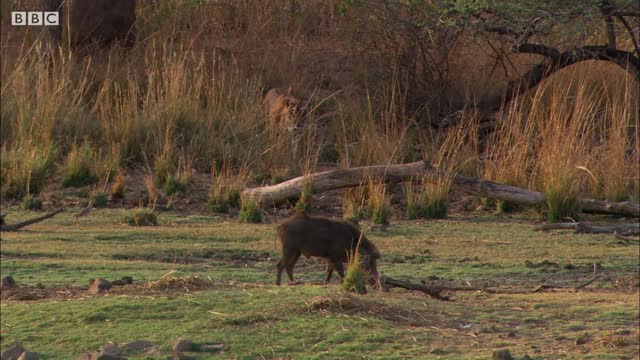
99,285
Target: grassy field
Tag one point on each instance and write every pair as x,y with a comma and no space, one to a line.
210,279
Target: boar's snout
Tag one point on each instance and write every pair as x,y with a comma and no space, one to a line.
370,265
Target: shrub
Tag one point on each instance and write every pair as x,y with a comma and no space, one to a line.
249,211
78,167
31,202
142,217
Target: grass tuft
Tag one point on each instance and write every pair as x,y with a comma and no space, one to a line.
353,204
99,198
142,217
378,207
355,279
25,171
78,166
31,202
249,211
305,201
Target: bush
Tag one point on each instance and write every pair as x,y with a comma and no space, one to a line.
78,167
249,211
142,217
31,202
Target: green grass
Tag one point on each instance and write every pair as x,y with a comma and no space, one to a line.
243,309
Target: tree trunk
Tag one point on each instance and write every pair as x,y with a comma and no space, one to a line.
14,227
346,178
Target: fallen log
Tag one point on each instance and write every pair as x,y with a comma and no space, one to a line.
583,228
346,178
14,227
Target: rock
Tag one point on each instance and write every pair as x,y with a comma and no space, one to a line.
212,347
87,356
379,228
14,352
99,285
110,357
502,354
111,349
583,339
28,355
181,356
437,351
7,283
153,351
137,346
125,280
183,345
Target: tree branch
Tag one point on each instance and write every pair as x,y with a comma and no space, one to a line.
607,8
14,227
631,34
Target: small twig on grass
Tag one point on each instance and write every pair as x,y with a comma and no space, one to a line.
588,282
626,238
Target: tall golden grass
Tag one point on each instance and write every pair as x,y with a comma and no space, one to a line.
188,95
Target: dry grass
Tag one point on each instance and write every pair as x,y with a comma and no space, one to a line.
189,95
347,304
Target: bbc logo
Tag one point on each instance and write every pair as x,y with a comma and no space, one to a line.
35,18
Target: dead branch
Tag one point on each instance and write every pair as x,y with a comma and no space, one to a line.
433,291
588,282
14,227
583,228
627,238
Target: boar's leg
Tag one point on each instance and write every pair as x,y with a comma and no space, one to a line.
288,261
330,267
339,266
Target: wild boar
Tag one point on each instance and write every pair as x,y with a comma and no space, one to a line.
335,241
86,22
